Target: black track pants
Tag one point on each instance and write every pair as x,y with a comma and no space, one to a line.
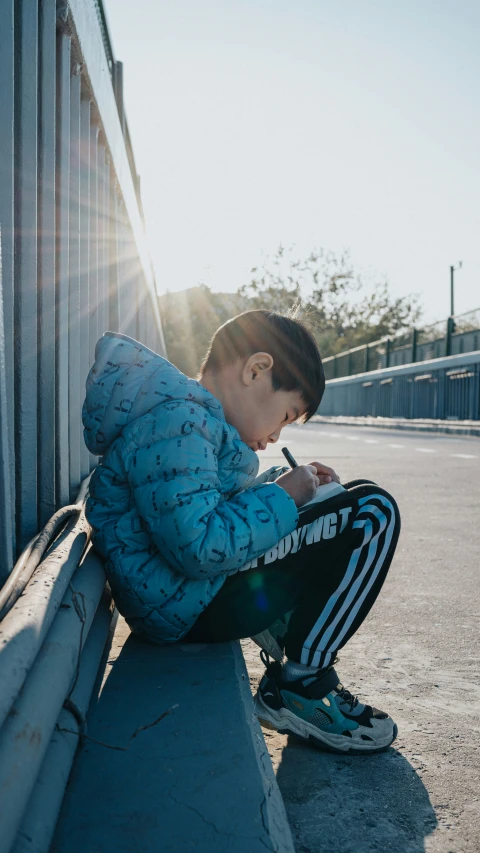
326,575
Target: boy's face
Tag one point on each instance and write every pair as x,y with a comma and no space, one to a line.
250,404
262,416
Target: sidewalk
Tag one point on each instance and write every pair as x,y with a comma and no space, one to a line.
418,425
416,657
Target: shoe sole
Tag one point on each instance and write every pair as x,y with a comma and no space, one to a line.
286,723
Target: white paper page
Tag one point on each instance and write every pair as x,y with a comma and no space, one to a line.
323,493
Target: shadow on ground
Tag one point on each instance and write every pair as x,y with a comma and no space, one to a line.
354,804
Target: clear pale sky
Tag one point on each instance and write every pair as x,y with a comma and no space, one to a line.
352,124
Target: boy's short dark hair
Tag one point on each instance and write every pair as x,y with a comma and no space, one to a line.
297,365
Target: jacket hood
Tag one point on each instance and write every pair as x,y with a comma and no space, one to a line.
126,381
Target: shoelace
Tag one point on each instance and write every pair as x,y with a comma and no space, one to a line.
347,697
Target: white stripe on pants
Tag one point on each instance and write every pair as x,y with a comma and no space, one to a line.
322,631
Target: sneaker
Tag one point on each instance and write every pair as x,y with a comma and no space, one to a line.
318,708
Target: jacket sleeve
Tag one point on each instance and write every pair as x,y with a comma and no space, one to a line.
270,475
198,530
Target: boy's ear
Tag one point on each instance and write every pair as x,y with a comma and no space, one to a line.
260,363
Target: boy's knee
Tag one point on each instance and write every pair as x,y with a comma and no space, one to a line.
383,497
352,484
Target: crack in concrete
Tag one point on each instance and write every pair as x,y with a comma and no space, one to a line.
199,813
215,828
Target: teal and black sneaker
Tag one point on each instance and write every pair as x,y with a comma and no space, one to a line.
318,708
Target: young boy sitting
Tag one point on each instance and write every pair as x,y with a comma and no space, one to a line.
197,549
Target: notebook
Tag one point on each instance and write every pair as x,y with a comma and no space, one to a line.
323,493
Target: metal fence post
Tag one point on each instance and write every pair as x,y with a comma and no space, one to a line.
84,265
26,309
7,272
74,383
93,279
442,395
113,266
6,549
101,221
93,238
106,243
62,267
366,359
448,337
118,89
414,344
388,344
476,396
46,261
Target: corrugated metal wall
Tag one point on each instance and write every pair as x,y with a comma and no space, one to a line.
73,251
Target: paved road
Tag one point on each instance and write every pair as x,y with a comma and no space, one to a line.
416,656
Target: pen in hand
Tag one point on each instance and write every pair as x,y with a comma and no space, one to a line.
327,475
289,457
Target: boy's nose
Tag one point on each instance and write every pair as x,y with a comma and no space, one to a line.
273,437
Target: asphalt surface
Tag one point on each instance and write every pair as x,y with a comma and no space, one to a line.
415,656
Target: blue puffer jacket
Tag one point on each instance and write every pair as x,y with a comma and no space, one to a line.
172,505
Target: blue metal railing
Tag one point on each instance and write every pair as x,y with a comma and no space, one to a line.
451,337
73,251
445,388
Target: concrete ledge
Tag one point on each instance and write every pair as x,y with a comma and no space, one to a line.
198,779
425,425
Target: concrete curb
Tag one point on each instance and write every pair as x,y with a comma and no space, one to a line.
197,777
272,808
452,428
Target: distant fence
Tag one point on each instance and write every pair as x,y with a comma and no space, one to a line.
74,260
452,337
446,388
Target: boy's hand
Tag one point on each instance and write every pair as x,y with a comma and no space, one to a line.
325,474
300,483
